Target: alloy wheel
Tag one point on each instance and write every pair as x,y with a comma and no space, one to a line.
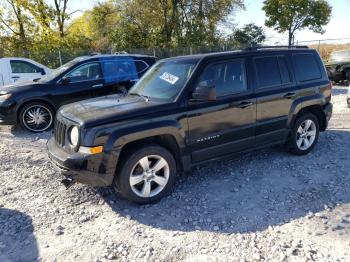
37,118
306,134
149,176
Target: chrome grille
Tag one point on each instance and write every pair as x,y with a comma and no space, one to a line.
60,132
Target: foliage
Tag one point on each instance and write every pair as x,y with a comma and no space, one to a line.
40,28
293,15
249,35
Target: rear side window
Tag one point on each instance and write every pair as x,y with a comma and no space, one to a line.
119,70
268,71
306,67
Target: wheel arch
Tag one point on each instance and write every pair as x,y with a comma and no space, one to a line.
316,110
166,141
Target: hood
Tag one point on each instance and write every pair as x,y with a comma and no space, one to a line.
18,87
105,109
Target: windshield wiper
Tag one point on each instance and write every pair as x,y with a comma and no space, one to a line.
146,98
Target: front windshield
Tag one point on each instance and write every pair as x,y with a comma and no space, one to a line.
55,73
340,55
165,79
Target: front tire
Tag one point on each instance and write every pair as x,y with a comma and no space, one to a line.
147,175
304,135
36,117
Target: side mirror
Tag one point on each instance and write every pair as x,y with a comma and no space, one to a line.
42,71
65,80
204,93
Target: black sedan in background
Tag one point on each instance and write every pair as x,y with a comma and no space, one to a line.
33,104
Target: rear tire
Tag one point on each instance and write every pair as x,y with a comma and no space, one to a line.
146,175
304,135
36,117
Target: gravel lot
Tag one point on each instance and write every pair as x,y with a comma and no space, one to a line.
263,206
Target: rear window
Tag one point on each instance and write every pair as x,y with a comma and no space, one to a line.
306,67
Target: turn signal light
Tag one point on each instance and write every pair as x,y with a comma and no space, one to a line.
91,150
96,150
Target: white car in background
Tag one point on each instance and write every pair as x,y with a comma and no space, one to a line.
15,69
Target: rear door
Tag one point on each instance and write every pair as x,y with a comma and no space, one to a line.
21,70
226,125
276,92
120,74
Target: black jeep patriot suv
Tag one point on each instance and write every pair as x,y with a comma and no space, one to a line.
187,110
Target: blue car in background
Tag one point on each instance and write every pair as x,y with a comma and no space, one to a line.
33,104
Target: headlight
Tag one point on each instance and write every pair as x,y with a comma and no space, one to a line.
4,97
74,136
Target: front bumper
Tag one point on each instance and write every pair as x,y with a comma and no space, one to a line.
7,114
94,170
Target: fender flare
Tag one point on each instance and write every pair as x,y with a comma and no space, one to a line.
302,103
36,98
122,137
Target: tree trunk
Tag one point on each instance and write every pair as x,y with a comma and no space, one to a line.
290,38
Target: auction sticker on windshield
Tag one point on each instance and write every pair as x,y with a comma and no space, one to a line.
169,78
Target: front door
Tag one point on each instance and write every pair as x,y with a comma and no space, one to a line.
226,125
85,81
24,71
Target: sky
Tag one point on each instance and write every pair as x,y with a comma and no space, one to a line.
339,26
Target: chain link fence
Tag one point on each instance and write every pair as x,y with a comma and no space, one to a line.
56,57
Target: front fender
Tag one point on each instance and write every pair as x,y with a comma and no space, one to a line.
121,137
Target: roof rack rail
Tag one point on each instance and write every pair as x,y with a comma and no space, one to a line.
272,47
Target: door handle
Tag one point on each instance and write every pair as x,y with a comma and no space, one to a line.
245,104
15,77
98,85
289,95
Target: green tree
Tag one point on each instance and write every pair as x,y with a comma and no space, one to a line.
293,15
249,35
15,22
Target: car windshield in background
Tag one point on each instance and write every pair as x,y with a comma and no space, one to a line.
55,73
165,79
340,55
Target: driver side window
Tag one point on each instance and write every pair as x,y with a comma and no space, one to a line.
87,72
228,77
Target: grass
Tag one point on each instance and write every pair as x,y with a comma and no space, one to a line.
325,50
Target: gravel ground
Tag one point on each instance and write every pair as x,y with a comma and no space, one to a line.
263,206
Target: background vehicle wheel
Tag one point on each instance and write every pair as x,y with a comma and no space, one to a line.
147,175
304,135
36,117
